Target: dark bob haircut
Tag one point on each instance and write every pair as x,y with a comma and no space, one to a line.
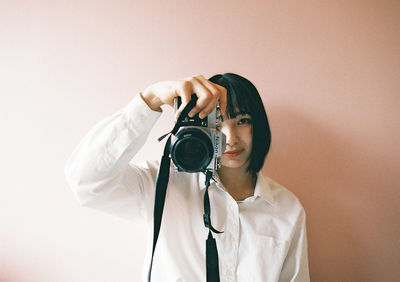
243,98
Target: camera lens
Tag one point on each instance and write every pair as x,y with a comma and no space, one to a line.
192,150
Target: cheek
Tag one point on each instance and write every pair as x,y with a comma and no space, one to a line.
247,136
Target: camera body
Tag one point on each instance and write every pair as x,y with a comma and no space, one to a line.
197,145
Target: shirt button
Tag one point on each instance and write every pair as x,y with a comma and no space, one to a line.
143,118
232,239
229,273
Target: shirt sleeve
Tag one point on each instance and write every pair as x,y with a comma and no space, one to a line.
98,170
295,267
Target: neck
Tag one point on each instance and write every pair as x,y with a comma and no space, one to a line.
238,182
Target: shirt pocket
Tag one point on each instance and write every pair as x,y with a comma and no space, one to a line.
271,254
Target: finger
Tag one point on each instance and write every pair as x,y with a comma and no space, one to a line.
218,91
204,97
184,90
219,96
223,99
208,109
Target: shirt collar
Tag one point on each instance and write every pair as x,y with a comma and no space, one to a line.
262,189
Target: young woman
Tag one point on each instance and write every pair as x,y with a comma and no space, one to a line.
263,224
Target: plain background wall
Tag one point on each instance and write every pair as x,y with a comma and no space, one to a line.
328,72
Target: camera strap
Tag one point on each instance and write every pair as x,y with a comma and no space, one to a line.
162,179
211,245
159,199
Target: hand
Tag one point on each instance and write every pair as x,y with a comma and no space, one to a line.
208,93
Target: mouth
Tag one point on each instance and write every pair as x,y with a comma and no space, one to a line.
233,153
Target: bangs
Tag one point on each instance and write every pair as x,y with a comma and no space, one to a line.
237,103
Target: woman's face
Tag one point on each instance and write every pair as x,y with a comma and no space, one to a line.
239,139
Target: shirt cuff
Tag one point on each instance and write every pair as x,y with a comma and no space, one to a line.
139,115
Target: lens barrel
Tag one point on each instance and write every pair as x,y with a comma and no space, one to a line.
192,150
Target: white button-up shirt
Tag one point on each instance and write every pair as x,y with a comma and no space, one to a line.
264,236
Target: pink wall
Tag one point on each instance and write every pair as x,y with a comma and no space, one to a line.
329,75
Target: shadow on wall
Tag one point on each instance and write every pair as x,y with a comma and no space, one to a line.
350,205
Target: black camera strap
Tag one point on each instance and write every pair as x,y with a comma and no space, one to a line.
212,266
159,199
211,245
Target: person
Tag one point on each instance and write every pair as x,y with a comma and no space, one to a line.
263,223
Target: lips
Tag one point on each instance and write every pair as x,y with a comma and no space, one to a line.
233,153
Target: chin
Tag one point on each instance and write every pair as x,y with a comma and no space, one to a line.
232,163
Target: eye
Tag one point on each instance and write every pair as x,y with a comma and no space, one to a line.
244,120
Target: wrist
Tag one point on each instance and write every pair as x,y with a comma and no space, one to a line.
151,100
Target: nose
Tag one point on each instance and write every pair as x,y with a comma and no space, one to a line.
231,135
